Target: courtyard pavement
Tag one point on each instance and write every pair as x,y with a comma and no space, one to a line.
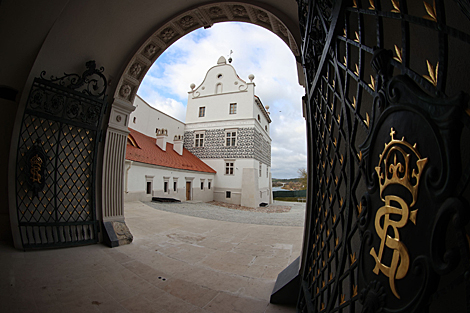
176,263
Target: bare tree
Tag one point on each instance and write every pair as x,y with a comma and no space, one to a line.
303,178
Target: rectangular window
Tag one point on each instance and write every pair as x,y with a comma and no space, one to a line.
165,187
228,194
174,185
260,166
267,172
228,168
199,139
233,108
149,187
202,111
209,185
230,138
202,185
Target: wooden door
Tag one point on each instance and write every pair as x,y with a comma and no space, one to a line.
188,190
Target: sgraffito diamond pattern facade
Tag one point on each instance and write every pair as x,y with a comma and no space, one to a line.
249,144
55,190
385,73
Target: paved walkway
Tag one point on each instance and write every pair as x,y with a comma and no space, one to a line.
295,217
177,263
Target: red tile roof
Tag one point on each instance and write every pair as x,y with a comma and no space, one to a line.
148,152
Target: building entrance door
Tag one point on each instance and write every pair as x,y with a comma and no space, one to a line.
188,190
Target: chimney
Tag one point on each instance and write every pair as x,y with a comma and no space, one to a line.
162,134
178,144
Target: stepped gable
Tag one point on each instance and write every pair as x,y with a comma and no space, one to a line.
148,152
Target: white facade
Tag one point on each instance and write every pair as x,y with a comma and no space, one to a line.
236,142
144,181
227,127
146,120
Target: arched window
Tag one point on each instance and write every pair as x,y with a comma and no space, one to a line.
218,88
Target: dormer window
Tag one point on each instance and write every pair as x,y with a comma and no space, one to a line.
131,141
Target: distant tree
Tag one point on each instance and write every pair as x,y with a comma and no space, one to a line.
303,178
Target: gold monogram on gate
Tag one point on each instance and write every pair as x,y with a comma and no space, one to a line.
36,164
390,171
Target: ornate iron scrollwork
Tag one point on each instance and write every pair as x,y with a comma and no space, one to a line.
432,124
92,82
353,100
63,116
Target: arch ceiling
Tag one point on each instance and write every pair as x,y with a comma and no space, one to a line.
184,23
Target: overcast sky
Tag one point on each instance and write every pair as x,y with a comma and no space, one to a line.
256,51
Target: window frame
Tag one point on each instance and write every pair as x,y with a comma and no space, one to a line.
166,185
149,179
199,138
232,108
228,194
231,137
229,167
202,112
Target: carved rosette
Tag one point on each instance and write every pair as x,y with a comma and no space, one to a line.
187,21
167,34
135,70
125,91
239,11
150,50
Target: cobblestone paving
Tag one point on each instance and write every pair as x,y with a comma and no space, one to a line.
295,217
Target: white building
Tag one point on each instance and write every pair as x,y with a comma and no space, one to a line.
227,127
227,149
156,163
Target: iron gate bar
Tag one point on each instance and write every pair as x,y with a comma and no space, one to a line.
66,112
326,84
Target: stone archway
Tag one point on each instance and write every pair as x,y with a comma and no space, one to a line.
133,74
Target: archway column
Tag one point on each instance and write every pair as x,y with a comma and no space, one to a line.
115,228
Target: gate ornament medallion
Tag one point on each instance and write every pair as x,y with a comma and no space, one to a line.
400,174
410,207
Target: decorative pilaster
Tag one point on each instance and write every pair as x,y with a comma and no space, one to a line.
116,231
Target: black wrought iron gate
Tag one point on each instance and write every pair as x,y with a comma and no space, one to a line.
389,129
56,160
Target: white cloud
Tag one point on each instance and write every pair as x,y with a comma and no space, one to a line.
169,106
255,51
